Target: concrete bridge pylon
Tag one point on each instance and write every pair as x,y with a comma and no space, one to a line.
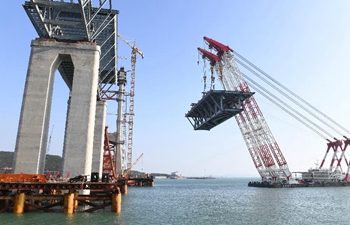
45,58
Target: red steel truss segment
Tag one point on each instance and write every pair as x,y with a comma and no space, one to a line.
220,48
108,156
330,145
337,144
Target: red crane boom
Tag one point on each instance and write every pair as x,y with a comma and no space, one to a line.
262,146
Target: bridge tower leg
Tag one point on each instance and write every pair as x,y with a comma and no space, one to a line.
100,123
32,134
79,137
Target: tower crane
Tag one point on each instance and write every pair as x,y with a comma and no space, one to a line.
134,53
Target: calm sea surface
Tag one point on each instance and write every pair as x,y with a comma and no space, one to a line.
216,201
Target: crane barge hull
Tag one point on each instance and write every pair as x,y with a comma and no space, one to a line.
299,185
316,177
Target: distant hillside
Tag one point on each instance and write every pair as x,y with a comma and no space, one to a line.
53,162
6,162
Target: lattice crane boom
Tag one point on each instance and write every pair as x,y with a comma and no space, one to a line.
262,146
132,165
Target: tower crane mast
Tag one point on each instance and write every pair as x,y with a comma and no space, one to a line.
262,146
134,53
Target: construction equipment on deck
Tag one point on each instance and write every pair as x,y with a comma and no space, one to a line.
127,172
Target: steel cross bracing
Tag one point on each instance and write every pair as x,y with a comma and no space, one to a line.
264,150
80,21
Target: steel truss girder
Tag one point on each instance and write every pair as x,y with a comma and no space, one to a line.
112,95
215,107
74,22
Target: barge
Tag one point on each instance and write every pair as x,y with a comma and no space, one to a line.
315,177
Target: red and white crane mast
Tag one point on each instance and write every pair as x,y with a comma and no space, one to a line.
260,142
245,129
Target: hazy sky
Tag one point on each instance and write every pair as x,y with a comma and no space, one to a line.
302,44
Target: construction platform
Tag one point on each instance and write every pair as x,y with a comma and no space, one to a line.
57,196
215,107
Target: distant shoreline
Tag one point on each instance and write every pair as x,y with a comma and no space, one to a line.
200,178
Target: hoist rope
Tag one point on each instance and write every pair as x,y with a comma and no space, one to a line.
292,93
287,96
270,97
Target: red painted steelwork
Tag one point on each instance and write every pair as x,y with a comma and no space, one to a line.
108,157
210,56
264,150
220,48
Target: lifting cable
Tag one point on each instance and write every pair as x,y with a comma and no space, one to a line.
263,91
250,84
291,92
291,99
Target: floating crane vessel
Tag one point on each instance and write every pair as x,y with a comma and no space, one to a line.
262,146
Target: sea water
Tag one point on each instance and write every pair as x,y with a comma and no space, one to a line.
210,201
